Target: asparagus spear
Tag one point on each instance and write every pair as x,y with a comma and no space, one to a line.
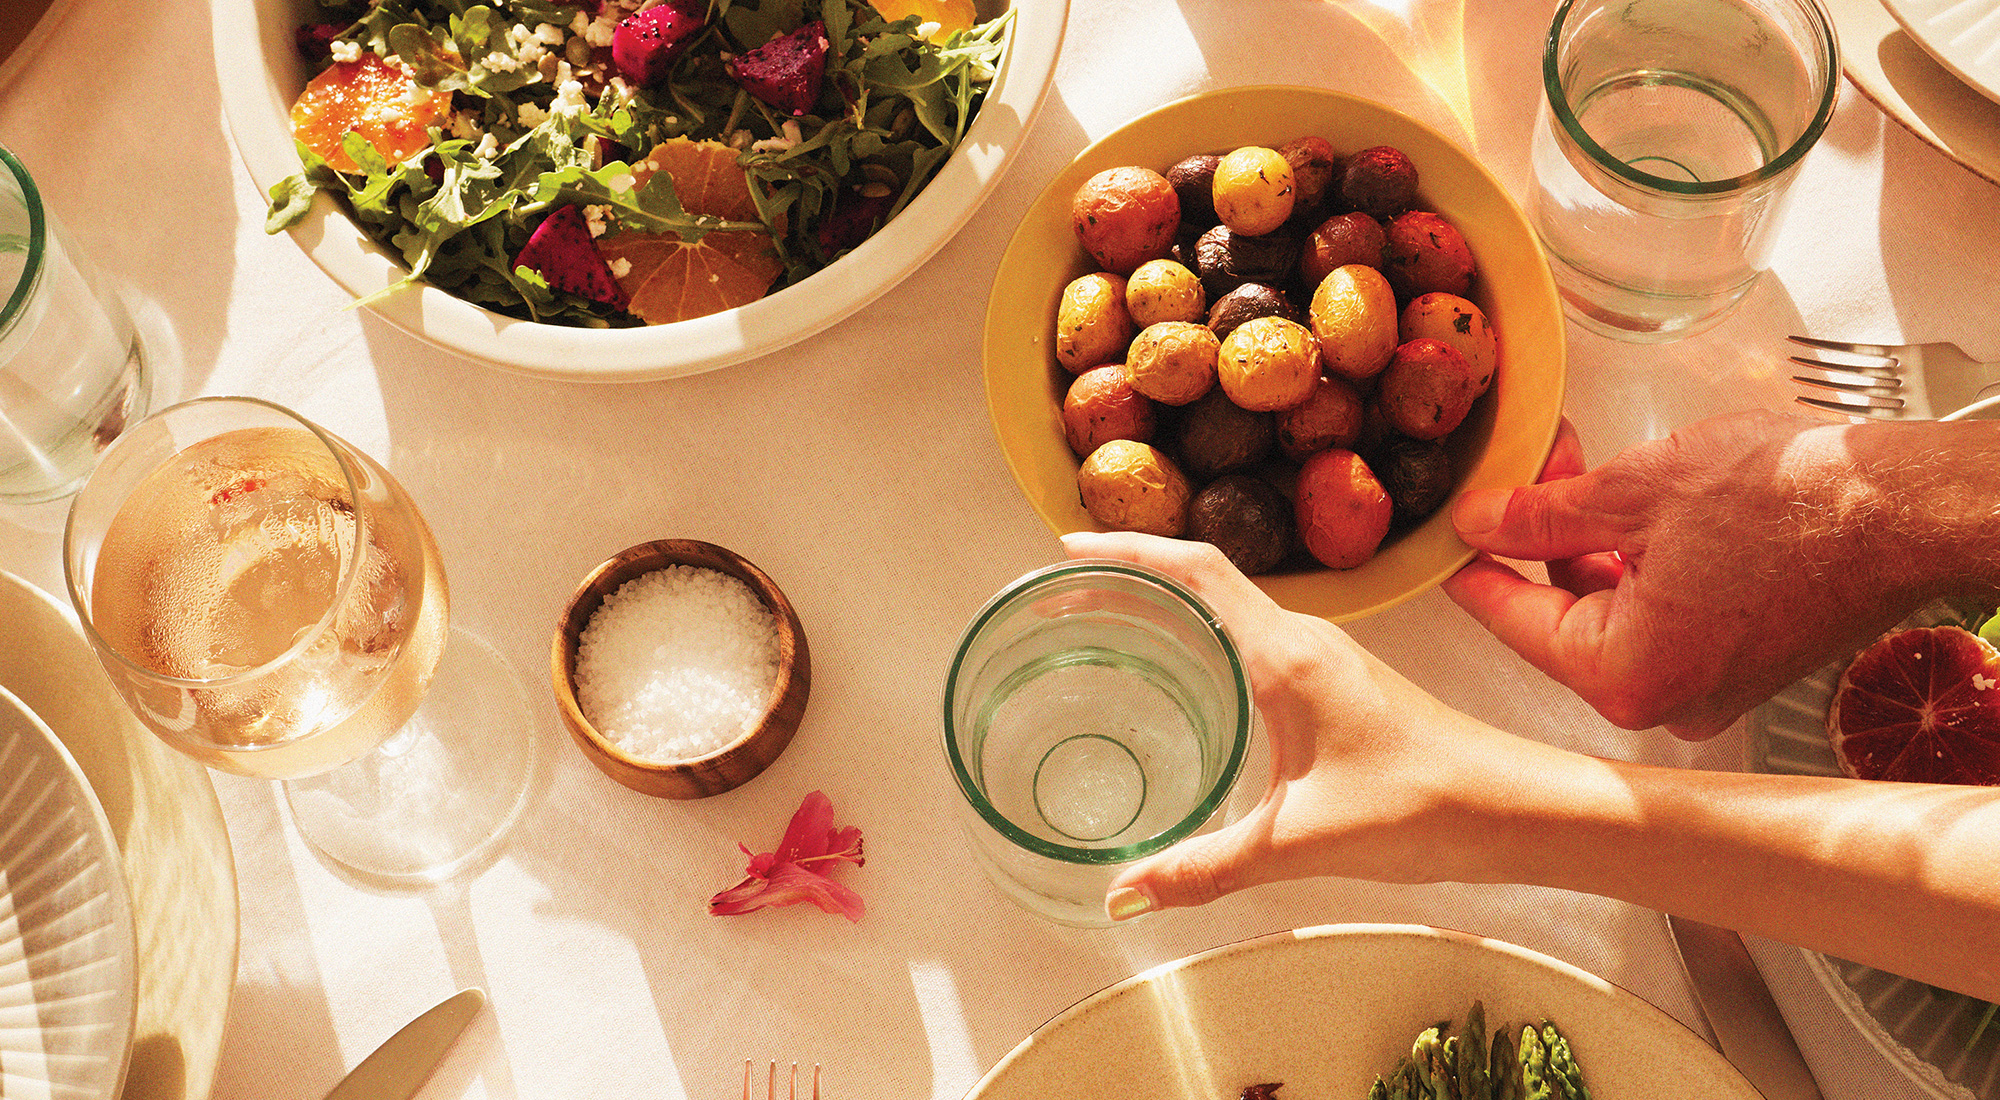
1535,1084
1474,1080
1562,1064
1423,1052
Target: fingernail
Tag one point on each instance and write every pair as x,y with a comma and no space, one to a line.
1127,902
1480,511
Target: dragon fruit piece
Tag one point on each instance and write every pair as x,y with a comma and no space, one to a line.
786,71
645,44
561,251
853,222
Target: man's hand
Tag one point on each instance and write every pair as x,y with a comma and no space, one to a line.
1693,577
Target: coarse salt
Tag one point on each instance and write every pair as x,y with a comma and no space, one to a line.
677,663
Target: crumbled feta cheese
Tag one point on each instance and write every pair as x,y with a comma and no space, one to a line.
569,99
929,30
344,50
740,139
1984,683
531,52
548,34
621,183
500,62
601,30
532,116
788,138
581,23
620,267
519,33
593,218
488,147
464,125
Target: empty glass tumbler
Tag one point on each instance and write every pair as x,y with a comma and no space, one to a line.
1670,131
1095,713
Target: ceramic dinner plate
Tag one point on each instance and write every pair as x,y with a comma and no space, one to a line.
1926,1032
67,966
1324,1010
163,815
1911,87
1964,36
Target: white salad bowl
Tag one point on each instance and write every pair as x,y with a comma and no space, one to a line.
261,73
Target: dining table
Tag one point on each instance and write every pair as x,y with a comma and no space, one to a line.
859,469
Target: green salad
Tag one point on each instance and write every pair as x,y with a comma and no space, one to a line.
547,109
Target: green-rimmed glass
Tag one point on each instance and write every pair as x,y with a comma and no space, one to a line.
1669,135
72,372
1094,713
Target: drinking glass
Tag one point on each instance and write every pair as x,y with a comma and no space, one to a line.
268,600
72,369
1095,713
1669,134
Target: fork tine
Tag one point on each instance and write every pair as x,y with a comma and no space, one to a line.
1878,412
1887,374
1880,351
1867,389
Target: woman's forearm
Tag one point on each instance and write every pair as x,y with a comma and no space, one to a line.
1903,877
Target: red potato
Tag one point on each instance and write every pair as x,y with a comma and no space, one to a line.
1126,216
1427,389
1351,238
1102,406
1425,254
1332,417
1342,511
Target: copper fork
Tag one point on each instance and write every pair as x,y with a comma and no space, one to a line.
771,1082
1894,381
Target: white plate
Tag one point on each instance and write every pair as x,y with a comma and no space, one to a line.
68,974
1964,36
1922,1029
170,834
1324,1010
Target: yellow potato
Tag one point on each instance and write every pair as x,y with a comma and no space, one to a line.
1092,326
1354,316
1132,486
1456,321
1253,190
1172,362
1163,290
1268,363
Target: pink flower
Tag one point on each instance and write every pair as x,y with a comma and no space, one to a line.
797,871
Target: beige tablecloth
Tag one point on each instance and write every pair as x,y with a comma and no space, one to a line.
859,470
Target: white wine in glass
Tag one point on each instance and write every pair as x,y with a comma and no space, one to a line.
269,601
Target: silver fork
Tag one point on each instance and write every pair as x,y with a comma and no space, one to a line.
771,1082
1899,382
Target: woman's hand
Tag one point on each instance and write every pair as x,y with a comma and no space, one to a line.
1369,772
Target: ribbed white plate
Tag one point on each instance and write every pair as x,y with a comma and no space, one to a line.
1964,36
68,979
1922,1029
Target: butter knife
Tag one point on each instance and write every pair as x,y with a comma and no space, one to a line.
401,1065
1749,1030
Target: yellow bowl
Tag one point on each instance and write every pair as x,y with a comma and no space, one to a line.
1502,444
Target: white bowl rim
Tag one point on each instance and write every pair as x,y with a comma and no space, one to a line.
258,112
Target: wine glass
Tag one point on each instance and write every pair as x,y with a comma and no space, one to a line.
268,600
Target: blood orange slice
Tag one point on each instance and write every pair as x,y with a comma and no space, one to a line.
1920,706
668,279
373,98
950,15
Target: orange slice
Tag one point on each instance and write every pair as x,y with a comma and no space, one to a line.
1920,706
669,280
370,97
949,15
